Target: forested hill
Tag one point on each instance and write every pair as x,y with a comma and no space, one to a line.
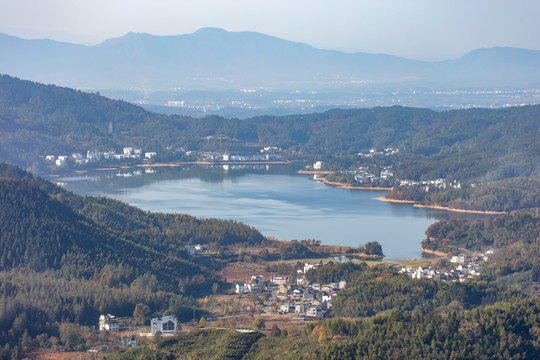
40,233
37,120
43,227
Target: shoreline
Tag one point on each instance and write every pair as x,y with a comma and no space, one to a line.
350,187
382,198
435,252
315,172
179,163
77,171
439,207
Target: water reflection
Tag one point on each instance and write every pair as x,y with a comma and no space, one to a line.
276,201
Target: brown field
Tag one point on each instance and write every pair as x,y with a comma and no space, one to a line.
242,272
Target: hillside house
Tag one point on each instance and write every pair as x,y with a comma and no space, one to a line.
166,325
242,289
108,323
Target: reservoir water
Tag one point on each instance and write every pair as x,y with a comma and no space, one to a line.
273,199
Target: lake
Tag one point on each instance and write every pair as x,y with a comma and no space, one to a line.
273,199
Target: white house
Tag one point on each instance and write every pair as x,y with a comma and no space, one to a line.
128,151
300,281
318,165
166,325
326,298
108,323
458,259
150,155
308,266
386,174
314,311
242,289
93,155
286,307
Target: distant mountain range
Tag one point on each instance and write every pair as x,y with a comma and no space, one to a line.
214,59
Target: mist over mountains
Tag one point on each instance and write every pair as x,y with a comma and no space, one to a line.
213,58
137,66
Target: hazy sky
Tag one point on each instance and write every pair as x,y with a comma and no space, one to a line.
417,29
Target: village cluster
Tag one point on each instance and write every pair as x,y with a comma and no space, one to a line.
304,299
363,176
266,153
132,153
95,156
467,267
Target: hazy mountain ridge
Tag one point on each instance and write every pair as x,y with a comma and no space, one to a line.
216,59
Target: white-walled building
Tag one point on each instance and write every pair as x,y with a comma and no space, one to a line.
242,289
108,323
166,325
458,259
314,311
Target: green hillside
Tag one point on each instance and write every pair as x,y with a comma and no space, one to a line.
506,330
40,233
486,144
66,258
